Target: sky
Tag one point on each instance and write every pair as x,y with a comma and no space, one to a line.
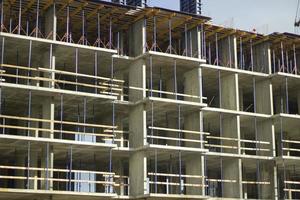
265,16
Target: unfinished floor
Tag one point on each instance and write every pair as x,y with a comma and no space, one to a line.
106,101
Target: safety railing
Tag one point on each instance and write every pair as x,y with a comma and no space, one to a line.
231,145
63,130
176,137
60,79
57,179
180,181
290,148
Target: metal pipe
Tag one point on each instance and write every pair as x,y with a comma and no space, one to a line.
61,114
28,164
251,54
98,29
110,33
170,35
229,49
217,49
175,78
282,56
151,76
295,60
2,15
70,167
154,34
287,95
96,70
241,53
20,16
76,67
186,39
47,165
155,168
37,18
68,24
274,62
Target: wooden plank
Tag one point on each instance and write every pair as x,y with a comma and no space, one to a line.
176,139
174,175
178,130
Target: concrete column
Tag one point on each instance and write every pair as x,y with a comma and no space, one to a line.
193,85
228,52
137,80
118,166
229,92
47,160
232,168
137,38
263,96
262,57
194,164
50,22
138,130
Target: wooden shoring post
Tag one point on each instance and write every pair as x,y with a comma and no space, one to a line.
282,58
251,55
170,35
27,26
37,18
295,60
20,17
10,21
83,36
204,42
61,114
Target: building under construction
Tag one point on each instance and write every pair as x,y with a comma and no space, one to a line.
119,100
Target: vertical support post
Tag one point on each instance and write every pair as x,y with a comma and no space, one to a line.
20,17
151,76
98,29
37,18
251,55
274,62
68,24
29,113
295,60
241,53
217,49
175,78
154,34
61,114
70,168
96,70
110,33
29,62
185,40
76,67
2,15
282,57
287,95
170,35
28,165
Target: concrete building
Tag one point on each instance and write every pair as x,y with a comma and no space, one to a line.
100,100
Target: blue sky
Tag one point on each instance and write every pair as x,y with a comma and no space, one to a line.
265,16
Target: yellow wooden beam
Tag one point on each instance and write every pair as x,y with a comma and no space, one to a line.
29,5
65,5
179,23
91,14
47,5
214,32
78,9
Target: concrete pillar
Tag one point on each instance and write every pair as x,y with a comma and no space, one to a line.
193,85
228,51
138,129
118,166
137,80
262,58
232,170
229,92
194,164
264,97
50,22
137,38
47,160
